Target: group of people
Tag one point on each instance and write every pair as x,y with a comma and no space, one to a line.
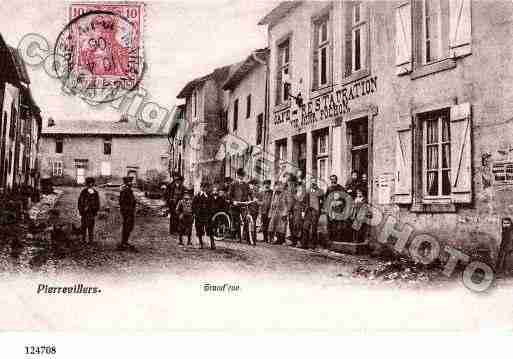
289,211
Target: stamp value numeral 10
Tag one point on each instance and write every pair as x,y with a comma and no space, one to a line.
128,13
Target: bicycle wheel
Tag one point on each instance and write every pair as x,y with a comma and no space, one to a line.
250,228
221,225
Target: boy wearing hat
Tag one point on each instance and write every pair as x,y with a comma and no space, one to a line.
174,193
185,217
201,208
88,206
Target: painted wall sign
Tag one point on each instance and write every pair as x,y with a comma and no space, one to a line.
326,107
503,172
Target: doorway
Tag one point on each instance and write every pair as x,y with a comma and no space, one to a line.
358,133
300,154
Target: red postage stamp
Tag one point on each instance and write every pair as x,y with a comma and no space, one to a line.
105,43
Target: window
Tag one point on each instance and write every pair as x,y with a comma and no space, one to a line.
194,103
235,114
248,106
321,157
431,31
358,131
57,169
322,172
356,38
283,72
281,154
260,128
106,169
321,58
58,145
436,147
322,145
107,146
224,121
433,159
359,38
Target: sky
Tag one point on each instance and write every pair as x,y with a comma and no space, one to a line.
182,40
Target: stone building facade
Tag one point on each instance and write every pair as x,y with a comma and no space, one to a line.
204,104
245,116
20,124
415,94
73,150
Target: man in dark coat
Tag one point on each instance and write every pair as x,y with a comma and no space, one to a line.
202,210
88,207
333,188
174,193
313,211
239,192
264,201
253,206
352,184
127,208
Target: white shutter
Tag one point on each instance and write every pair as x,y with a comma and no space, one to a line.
461,154
403,39
403,165
460,24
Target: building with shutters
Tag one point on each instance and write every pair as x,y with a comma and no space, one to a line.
20,125
204,104
245,118
72,150
416,94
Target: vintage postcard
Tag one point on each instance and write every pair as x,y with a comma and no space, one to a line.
256,166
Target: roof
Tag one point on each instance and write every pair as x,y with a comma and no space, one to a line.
218,74
19,65
243,68
96,128
12,66
279,12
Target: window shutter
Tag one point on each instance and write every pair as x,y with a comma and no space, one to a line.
461,165
403,166
403,39
460,27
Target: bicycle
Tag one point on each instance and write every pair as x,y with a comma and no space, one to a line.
248,224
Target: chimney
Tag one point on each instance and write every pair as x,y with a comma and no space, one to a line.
51,122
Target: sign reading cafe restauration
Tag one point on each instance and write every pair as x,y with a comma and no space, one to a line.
327,106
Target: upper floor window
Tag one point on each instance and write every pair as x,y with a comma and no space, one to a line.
248,106
283,72
359,38
260,128
434,45
194,103
356,43
58,145
107,146
235,114
321,58
430,31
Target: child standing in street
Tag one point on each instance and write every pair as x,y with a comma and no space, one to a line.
201,208
185,218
